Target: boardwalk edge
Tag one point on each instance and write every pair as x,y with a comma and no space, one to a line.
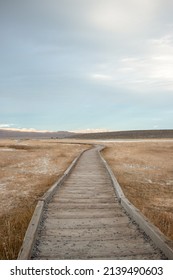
158,238
30,235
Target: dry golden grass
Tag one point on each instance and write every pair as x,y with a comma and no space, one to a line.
144,170
28,169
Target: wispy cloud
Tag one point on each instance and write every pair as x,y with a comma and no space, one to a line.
102,77
150,70
23,129
91,130
154,69
6,125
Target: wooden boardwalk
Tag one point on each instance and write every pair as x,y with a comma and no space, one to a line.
84,219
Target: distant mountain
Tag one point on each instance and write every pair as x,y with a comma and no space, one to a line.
12,133
133,134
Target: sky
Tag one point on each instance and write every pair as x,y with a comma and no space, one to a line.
86,64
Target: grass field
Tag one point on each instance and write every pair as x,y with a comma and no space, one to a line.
144,169
28,169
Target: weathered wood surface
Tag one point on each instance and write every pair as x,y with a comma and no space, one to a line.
84,219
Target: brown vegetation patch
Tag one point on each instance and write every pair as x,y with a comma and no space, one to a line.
28,169
144,171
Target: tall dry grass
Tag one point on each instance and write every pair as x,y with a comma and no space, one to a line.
28,169
13,228
144,171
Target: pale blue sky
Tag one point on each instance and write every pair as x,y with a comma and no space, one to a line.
79,64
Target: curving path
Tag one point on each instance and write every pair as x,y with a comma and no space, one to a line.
84,219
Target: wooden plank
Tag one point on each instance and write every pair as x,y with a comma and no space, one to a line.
96,233
85,214
89,223
73,206
107,256
83,200
28,242
89,249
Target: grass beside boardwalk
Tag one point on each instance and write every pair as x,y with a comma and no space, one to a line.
13,228
28,169
144,171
